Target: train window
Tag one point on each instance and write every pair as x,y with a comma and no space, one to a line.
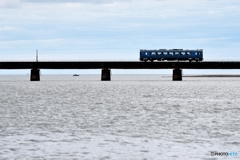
170,53
165,53
196,53
182,53
159,53
153,53
188,53
176,53
146,53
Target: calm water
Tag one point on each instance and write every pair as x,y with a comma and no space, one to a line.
131,117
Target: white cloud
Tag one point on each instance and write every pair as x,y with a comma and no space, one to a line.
7,28
116,26
76,1
9,3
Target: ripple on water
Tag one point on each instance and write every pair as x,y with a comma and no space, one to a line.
141,118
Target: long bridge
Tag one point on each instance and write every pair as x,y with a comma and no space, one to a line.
106,66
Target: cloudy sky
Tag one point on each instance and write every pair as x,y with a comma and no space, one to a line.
117,29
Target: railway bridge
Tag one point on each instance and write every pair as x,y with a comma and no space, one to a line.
106,66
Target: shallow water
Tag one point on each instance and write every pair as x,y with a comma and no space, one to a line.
130,117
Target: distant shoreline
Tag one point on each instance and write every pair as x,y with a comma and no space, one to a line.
207,76
211,75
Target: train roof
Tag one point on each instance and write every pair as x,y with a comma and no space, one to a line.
170,50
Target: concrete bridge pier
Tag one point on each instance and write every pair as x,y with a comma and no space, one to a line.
177,74
106,74
35,75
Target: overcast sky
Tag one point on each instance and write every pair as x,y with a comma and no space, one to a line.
117,29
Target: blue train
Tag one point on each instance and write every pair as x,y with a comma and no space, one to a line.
171,55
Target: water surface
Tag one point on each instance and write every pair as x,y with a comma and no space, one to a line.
130,117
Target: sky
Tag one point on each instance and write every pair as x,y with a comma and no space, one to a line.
117,30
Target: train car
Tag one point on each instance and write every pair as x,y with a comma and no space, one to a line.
171,55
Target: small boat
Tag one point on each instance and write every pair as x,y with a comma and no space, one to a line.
76,75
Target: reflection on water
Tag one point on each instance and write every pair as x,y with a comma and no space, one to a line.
131,117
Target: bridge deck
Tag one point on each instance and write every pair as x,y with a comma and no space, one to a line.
120,65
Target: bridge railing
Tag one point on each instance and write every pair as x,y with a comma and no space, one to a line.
105,60
68,60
